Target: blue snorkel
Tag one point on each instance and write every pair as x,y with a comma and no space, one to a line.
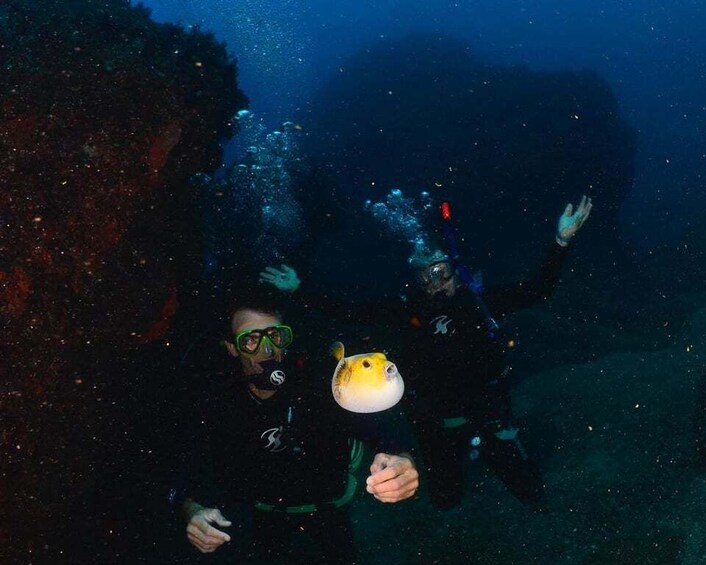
474,283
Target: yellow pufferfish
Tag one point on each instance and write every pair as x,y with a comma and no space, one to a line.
365,383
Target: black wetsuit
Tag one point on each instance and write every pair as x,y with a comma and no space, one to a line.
461,402
457,390
265,459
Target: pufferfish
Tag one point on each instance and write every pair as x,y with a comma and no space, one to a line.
365,383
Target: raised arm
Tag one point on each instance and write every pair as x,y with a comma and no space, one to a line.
506,299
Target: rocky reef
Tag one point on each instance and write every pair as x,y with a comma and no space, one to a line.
104,117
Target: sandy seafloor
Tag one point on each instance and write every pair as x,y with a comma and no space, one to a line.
616,440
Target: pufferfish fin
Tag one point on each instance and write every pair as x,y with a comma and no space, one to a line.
338,351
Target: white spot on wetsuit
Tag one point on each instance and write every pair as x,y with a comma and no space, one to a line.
277,377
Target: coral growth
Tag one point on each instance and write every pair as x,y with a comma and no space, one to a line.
104,116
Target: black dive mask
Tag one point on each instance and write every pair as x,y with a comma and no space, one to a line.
435,276
271,378
437,273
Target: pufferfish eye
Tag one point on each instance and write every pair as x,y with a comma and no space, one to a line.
366,364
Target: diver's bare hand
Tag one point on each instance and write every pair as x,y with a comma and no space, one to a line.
570,222
392,478
201,534
285,278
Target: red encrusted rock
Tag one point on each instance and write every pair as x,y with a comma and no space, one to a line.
104,117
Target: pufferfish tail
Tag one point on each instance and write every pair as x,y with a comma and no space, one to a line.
338,351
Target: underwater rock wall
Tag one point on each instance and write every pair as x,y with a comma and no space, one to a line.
104,116
509,147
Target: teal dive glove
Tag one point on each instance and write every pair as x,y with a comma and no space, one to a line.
570,222
285,278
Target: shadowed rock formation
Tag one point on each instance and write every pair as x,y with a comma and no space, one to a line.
104,116
507,146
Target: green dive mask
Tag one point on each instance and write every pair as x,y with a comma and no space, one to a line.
248,342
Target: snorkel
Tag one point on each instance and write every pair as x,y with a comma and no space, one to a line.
474,283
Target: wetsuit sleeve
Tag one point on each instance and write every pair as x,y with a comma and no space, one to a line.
504,300
194,475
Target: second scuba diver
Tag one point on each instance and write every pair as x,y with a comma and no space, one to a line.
454,363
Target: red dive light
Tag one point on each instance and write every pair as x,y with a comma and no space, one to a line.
446,211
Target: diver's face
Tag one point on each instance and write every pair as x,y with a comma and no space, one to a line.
438,277
246,320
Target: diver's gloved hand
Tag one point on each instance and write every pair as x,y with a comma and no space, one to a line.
285,278
570,222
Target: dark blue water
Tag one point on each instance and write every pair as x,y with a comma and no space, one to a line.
650,52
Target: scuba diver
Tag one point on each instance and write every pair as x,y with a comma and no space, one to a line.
459,400
278,450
